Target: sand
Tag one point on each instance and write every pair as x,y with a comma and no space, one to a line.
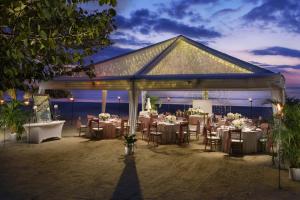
77,168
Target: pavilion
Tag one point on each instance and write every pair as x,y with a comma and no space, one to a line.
175,64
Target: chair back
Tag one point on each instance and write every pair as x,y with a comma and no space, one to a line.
184,126
89,118
153,126
207,131
198,128
264,127
124,126
235,134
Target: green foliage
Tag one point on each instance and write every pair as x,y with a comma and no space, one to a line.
130,139
289,132
38,38
13,117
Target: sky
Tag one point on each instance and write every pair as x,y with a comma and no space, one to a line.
262,32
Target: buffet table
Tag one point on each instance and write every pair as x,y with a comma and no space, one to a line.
37,132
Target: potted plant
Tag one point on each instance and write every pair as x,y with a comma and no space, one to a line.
288,135
13,118
129,144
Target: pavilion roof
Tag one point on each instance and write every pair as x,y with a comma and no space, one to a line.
175,58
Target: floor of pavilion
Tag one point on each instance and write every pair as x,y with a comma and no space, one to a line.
74,168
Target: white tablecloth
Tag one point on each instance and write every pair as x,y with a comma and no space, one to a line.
37,132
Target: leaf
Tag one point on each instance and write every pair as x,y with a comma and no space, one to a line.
43,35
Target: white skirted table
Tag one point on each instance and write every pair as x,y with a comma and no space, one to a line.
37,132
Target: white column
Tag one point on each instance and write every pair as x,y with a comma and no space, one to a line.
143,99
104,98
133,95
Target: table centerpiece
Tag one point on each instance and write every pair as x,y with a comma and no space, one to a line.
104,116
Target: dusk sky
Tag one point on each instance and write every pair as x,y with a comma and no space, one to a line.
263,32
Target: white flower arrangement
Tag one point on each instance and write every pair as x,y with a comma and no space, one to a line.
104,116
170,118
195,111
153,112
238,123
233,115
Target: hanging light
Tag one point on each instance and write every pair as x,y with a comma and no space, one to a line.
26,102
279,109
2,101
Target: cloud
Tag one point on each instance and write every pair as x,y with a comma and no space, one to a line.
144,22
282,51
137,18
226,11
166,25
283,13
181,8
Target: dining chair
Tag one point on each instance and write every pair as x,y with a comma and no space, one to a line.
183,135
266,143
82,128
210,138
236,142
154,134
145,129
124,128
98,130
195,129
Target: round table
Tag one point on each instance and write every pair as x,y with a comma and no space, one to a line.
250,139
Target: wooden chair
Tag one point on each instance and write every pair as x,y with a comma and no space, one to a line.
183,135
236,142
154,135
97,131
266,143
210,138
82,128
145,130
195,129
124,128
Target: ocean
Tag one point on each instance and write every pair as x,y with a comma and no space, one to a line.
82,109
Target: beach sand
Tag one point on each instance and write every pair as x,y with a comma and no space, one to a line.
77,168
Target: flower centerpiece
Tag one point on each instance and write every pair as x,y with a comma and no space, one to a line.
232,116
238,123
170,119
195,111
153,112
104,116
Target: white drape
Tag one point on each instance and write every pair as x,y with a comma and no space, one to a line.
133,95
